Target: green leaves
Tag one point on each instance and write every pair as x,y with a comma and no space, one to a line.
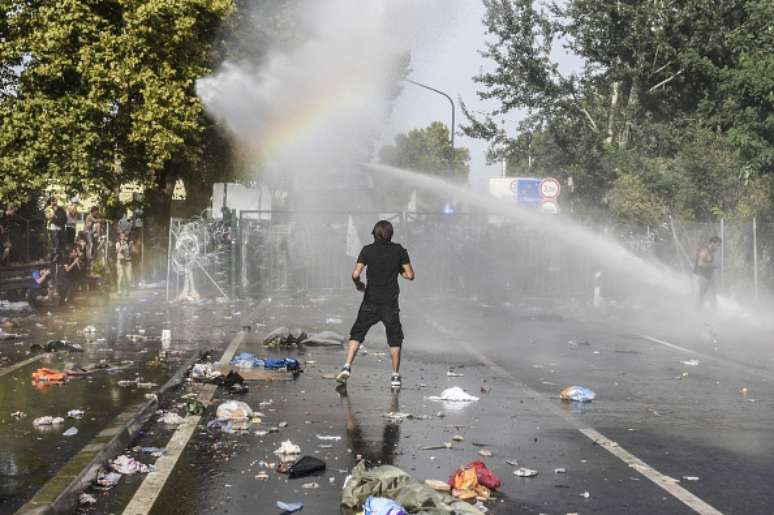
427,150
97,93
657,80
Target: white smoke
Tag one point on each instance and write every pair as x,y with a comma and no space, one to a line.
324,102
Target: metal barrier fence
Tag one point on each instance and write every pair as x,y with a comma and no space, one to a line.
462,254
292,251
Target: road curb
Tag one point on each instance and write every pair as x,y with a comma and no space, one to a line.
60,493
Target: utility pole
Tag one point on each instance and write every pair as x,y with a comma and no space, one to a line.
452,128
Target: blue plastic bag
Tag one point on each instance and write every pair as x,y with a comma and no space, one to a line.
289,363
382,506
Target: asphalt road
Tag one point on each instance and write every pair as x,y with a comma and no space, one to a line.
700,430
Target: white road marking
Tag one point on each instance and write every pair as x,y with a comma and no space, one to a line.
665,482
146,495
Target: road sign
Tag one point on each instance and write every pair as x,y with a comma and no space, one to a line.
550,188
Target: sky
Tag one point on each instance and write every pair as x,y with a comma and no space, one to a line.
446,57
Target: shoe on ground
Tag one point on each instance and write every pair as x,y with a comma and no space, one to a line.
395,381
343,376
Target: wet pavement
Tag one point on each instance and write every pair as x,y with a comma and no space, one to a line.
695,423
126,338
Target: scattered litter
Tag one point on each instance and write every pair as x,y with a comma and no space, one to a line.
126,465
47,421
306,466
310,486
18,415
288,448
486,453
171,419
71,432
585,495
48,375
512,463
282,425
454,394
277,364
86,499
474,481
392,482
458,438
328,438
525,472
89,330
154,451
333,321
195,407
485,388
75,413
560,470
290,507
246,360
577,394
691,362
438,486
451,373
108,479
166,336
204,371
234,410
324,339
445,445
382,506
691,478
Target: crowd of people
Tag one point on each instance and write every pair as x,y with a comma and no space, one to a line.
83,253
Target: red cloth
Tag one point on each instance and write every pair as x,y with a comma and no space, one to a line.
484,476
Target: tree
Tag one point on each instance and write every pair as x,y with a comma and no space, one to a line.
658,80
428,150
101,93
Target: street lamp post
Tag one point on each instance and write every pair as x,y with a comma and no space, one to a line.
451,154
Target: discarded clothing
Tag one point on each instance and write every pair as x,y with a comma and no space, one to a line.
465,485
382,506
126,465
577,394
392,482
454,394
48,375
287,363
484,476
306,466
108,479
324,338
246,360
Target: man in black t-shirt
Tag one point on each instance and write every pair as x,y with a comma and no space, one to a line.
383,262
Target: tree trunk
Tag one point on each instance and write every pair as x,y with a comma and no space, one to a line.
156,229
630,113
613,112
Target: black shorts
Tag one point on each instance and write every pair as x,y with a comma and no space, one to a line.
369,314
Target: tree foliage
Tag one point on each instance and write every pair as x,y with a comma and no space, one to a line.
662,87
428,150
96,94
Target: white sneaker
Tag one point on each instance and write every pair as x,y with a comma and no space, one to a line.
395,381
346,371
